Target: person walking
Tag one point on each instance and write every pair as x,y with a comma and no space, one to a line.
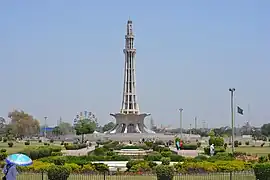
87,144
10,172
212,150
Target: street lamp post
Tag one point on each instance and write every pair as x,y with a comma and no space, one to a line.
181,122
232,90
45,128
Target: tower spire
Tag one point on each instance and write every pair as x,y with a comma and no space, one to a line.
129,120
129,102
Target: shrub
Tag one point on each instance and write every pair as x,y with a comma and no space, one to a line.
189,147
111,153
176,158
4,139
247,143
200,158
263,159
59,161
262,171
225,145
262,144
75,146
153,157
132,163
208,167
141,167
62,142
10,144
51,140
165,161
149,144
239,143
221,157
3,156
3,150
199,144
40,141
217,141
166,153
46,144
27,143
164,172
40,152
58,172
237,153
217,150
100,151
101,167
152,164
111,145
57,154
236,143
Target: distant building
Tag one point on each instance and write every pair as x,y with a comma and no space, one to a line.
49,131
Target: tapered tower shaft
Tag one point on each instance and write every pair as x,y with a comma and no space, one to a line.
129,101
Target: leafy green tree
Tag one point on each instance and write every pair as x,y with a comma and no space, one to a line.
23,124
265,129
56,131
65,128
108,126
85,126
211,133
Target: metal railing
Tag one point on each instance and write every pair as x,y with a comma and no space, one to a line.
142,176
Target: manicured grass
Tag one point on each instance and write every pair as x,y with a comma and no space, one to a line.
260,151
243,176
19,146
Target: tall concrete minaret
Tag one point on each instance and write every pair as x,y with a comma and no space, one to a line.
129,101
129,119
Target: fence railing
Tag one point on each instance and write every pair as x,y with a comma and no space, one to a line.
141,176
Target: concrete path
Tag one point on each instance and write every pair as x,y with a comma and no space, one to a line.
186,153
79,152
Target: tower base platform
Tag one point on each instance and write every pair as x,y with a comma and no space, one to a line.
129,123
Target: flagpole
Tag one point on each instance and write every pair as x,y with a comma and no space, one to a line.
232,116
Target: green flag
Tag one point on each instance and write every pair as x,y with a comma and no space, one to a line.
240,110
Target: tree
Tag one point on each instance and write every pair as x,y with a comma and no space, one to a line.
65,128
265,129
85,126
2,125
23,124
211,133
108,126
56,131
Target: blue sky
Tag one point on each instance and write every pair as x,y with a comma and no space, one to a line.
62,57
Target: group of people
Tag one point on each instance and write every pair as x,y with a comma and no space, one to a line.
179,145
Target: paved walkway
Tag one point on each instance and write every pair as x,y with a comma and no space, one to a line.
79,152
187,153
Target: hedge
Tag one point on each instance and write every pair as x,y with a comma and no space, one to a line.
217,150
83,160
75,146
189,147
39,166
41,151
262,171
208,167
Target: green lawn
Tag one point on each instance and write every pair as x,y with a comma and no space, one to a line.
248,176
17,147
260,151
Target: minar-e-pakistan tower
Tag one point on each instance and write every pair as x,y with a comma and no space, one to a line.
129,120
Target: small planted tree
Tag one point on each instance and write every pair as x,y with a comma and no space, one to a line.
164,172
85,126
